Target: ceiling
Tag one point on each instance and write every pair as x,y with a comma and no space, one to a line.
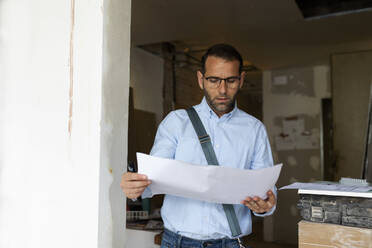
269,33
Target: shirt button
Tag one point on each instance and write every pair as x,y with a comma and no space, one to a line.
217,146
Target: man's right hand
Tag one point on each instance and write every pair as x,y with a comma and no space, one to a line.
133,184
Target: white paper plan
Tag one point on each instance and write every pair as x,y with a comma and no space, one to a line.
208,183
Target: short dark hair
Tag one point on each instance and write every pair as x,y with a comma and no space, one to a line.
223,51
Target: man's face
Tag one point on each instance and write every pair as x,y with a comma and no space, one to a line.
220,99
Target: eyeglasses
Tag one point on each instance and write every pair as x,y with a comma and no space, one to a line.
215,82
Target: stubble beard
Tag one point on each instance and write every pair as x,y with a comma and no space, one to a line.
221,108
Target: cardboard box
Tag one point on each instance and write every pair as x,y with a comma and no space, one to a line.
313,235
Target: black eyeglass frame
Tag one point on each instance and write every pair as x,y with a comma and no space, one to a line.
218,83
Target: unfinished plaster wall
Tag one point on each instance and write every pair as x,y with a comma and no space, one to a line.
293,95
114,121
50,79
62,131
146,79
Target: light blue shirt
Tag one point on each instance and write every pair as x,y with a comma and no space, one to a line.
239,141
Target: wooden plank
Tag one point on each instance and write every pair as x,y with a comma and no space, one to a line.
312,235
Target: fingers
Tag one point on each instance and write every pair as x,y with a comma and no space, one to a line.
135,193
129,176
259,205
251,204
262,204
137,184
134,184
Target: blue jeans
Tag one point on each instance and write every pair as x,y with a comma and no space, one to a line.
173,240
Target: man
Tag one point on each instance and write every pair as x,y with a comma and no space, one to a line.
239,140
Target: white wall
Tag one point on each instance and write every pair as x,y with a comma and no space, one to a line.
114,123
146,78
54,184
301,96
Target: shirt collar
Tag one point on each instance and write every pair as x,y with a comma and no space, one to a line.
205,109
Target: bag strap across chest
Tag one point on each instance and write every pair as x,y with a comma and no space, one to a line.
210,155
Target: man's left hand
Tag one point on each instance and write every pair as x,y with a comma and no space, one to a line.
259,205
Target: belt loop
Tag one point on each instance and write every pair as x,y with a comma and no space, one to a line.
179,240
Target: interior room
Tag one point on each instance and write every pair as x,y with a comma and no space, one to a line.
303,65
85,84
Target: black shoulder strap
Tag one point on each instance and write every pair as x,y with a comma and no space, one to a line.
207,147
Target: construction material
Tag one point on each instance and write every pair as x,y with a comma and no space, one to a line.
348,211
354,182
312,235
